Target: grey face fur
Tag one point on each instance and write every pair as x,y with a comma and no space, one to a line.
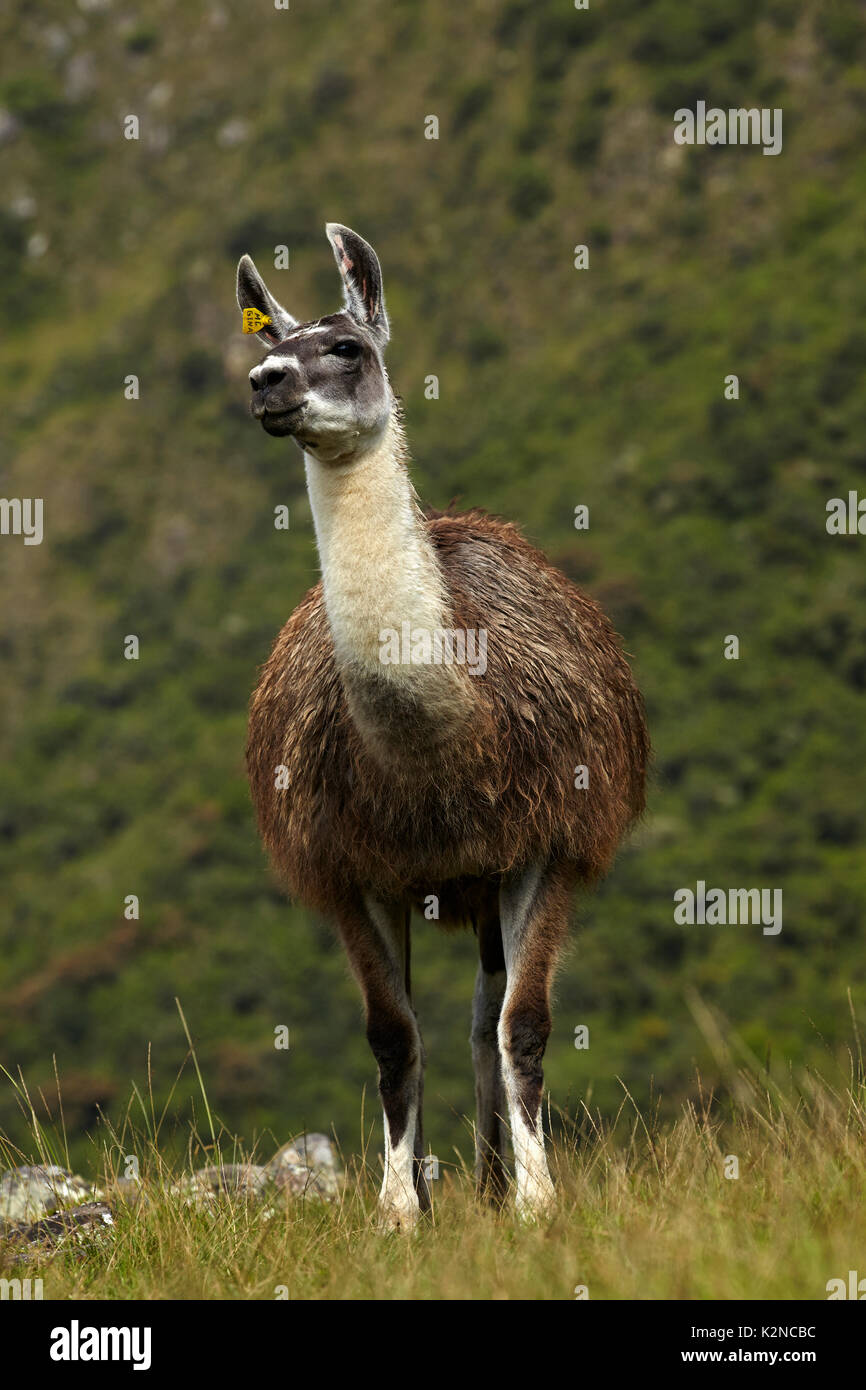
324,382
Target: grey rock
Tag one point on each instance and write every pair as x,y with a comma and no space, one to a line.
30,1192
307,1165
206,1186
293,1180
234,132
127,1192
55,39
80,77
83,1224
9,126
193,1192
244,1178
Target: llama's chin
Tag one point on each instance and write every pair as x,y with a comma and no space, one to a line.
280,425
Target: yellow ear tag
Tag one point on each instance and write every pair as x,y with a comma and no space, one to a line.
254,319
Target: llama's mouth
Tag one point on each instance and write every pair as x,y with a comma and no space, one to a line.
282,421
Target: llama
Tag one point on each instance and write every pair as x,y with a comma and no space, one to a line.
381,785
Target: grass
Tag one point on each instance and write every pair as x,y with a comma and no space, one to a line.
643,1212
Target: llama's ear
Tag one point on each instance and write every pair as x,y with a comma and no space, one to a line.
253,293
358,264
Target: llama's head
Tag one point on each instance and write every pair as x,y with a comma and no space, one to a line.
324,382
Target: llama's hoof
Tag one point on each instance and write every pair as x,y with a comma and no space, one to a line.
398,1215
536,1204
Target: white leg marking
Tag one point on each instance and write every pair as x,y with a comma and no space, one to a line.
535,1191
398,1199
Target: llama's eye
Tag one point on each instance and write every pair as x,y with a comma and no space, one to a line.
347,348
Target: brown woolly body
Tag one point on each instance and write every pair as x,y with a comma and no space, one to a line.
449,818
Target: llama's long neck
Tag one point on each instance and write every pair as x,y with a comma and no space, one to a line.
380,573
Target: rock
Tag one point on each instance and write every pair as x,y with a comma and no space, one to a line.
313,1151
127,1192
296,1181
23,205
55,39
307,1165
31,1192
193,1192
9,126
37,245
90,1221
44,1205
160,95
204,1187
233,133
80,77
246,1178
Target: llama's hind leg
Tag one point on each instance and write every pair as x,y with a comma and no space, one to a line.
533,907
376,941
421,1186
490,1104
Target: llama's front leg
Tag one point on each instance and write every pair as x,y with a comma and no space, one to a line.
533,906
376,940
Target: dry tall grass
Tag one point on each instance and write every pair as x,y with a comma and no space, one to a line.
644,1211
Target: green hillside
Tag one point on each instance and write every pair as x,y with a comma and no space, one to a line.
557,387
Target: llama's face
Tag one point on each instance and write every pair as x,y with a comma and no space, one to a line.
324,383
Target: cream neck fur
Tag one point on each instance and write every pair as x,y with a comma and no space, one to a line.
379,569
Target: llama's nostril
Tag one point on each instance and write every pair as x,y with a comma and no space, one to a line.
274,378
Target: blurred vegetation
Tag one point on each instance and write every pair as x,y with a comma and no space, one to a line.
557,387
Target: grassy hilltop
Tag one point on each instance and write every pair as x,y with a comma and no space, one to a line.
557,387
